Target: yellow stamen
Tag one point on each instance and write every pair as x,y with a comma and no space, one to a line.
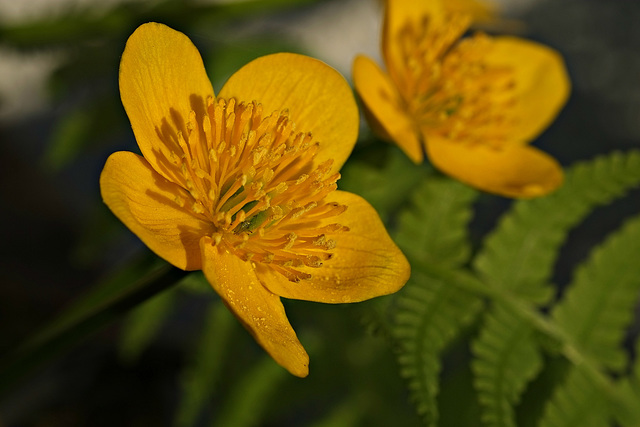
255,180
447,85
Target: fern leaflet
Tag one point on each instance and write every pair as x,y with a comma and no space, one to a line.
578,402
433,231
431,312
507,358
520,253
598,305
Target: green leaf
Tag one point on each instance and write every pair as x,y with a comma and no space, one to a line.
431,313
385,185
577,402
201,375
142,324
599,303
519,254
252,395
507,358
434,230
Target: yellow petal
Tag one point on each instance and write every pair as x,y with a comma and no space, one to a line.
542,82
384,107
481,11
516,171
260,311
162,79
147,204
398,14
318,98
366,262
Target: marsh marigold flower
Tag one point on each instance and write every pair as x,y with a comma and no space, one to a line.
243,185
471,103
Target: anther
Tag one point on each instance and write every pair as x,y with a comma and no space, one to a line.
192,124
213,155
321,240
222,146
291,239
281,188
197,208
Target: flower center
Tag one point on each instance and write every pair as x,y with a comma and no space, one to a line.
449,87
253,178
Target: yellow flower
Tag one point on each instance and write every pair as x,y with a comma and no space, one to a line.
243,185
480,11
473,103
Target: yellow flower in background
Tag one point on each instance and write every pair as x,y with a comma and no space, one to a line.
473,103
243,185
479,11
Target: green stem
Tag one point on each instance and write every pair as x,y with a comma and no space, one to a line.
92,312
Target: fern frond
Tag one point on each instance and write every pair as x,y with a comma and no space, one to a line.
431,312
507,358
520,252
434,229
577,402
599,303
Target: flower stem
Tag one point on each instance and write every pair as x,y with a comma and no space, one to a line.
105,303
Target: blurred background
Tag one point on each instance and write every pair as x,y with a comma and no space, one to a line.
61,116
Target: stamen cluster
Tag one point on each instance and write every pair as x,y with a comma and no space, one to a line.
254,179
449,87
